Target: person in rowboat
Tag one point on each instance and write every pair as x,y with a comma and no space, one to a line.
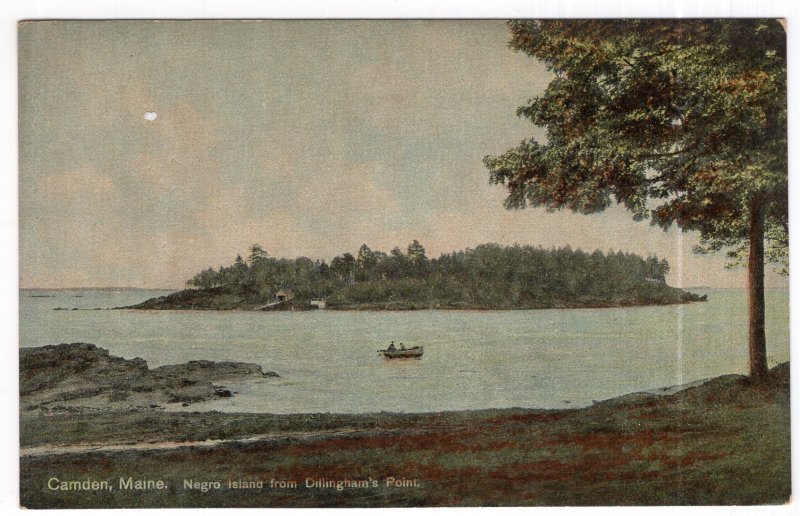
391,347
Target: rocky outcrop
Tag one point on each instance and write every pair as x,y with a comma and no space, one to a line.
82,377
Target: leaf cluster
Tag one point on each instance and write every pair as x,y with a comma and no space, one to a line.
682,122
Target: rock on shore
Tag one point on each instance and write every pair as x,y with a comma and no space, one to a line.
81,377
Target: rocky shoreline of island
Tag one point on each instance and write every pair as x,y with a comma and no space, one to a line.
220,300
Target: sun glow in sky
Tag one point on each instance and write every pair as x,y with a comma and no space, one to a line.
151,150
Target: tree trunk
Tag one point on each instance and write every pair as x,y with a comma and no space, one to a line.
755,287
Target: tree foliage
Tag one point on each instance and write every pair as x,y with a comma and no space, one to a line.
682,122
488,276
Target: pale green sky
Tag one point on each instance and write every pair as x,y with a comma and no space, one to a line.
309,137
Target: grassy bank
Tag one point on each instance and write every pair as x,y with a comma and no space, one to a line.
723,442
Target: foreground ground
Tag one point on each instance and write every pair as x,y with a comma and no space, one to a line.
723,442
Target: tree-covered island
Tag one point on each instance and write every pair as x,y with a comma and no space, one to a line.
489,276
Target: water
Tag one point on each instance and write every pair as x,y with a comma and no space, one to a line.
473,359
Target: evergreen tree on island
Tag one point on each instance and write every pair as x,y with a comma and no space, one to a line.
682,122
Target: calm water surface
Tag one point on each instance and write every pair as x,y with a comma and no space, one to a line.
473,359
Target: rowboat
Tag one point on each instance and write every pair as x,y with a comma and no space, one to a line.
414,352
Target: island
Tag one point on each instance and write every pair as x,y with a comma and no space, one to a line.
487,277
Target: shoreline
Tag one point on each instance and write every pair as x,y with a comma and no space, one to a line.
638,449
388,295
379,308
133,442
84,378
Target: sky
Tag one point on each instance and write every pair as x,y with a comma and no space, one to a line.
152,150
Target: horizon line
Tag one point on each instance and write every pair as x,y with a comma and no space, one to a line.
703,287
98,288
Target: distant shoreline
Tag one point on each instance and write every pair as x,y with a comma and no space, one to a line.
157,304
146,289
96,289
